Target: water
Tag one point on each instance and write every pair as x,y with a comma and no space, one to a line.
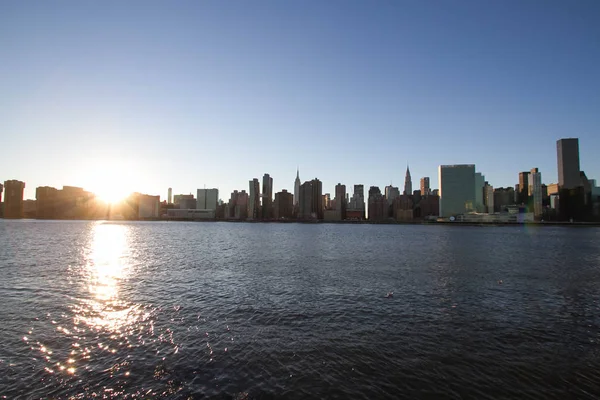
205,310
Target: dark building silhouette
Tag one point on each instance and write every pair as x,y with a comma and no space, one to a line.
567,152
311,200
377,205
13,199
403,208
267,197
340,201
523,196
429,206
503,197
284,205
46,197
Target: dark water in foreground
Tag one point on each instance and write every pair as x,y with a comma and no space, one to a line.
194,310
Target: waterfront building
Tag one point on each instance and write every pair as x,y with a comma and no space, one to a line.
46,198
327,203
284,205
523,193
310,205
391,193
488,198
267,197
429,206
407,182
149,206
403,208
196,214
340,201
254,200
169,195
567,151
297,184
207,199
479,189
13,198
456,189
178,198
535,191
356,205
188,203
377,205
425,188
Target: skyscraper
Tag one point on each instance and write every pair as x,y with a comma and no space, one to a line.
568,163
488,198
267,197
13,199
46,198
425,188
391,193
207,199
310,204
1,188
297,184
479,189
377,205
356,205
169,195
523,192
456,189
340,201
408,183
535,191
254,199
284,205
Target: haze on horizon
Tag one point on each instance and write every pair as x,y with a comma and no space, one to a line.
146,95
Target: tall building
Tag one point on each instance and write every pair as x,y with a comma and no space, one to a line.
340,201
425,188
169,195
1,189
479,189
297,184
327,201
535,191
207,199
284,205
13,199
149,206
377,205
356,205
523,192
456,183
310,205
267,197
254,200
391,193
568,163
503,197
182,201
46,198
407,182
488,198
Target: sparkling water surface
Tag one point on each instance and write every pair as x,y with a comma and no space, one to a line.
181,310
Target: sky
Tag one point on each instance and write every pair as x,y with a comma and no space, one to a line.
145,95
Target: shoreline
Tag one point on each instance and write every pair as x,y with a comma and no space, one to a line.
349,222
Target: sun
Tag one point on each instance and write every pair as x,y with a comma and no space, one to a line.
110,181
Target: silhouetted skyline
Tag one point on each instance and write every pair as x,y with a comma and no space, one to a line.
148,95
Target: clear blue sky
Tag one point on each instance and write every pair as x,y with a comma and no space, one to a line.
184,94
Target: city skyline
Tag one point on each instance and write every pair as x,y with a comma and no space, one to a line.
234,91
